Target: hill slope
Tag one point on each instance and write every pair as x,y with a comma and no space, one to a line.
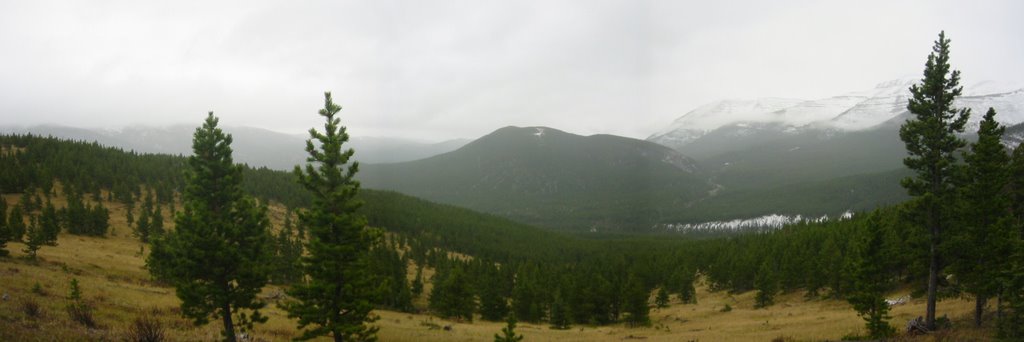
552,178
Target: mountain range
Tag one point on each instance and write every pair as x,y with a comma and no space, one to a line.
254,146
725,161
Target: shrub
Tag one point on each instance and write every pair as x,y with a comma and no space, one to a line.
31,308
146,328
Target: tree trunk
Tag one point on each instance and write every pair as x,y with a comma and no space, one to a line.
979,308
999,306
933,284
229,326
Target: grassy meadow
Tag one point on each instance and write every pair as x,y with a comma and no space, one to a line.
112,278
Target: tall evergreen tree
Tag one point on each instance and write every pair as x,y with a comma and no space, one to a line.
508,333
335,299
1011,321
49,223
871,278
635,305
687,292
217,255
144,222
156,222
767,286
661,300
5,232
493,304
417,283
452,296
979,250
16,223
35,238
559,316
931,141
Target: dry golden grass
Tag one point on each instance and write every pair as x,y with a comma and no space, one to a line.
113,279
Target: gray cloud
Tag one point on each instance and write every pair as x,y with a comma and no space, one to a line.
442,69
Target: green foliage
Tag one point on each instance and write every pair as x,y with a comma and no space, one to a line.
452,296
336,297
493,303
1011,324
978,250
508,333
5,232
684,280
216,257
49,224
36,238
528,294
872,277
559,316
389,270
287,267
417,283
931,140
661,299
635,305
16,223
767,286
78,309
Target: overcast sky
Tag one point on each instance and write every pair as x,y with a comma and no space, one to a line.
435,70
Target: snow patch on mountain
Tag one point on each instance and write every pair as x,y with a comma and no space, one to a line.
854,111
772,221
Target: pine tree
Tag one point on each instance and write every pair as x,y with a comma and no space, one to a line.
75,214
493,304
635,305
1011,321
5,232
979,250
452,296
217,255
35,238
336,297
931,140
156,222
15,223
526,294
871,278
559,313
143,225
287,268
767,286
687,292
99,220
508,333
49,223
417,283
661,300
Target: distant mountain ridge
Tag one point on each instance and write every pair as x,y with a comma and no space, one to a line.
253,146
854,111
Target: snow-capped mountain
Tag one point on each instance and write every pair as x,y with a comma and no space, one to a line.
854,111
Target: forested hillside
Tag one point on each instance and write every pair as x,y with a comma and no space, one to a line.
554,179
538,275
